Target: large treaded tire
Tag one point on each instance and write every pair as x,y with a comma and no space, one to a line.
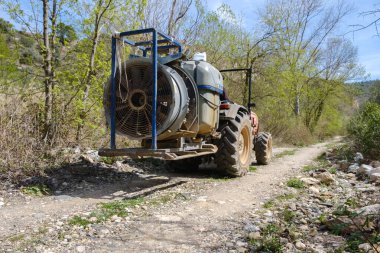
263,148
235,146
184,165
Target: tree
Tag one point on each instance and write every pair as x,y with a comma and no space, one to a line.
375,13
178,18
5,26
336,64
302,29
41,20
66,33
100,15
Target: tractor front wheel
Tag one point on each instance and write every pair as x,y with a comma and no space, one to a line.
263,148
235,146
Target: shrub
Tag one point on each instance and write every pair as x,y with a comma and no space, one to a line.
295,183
364,128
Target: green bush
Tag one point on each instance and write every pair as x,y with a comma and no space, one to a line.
295,183
364,128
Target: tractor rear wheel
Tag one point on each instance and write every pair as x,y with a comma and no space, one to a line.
235,146
263,148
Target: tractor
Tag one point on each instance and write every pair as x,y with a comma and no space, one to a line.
178,109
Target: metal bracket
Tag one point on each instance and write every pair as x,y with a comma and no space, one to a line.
155,45
166,154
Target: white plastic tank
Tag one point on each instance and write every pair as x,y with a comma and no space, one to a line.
210,85
200,56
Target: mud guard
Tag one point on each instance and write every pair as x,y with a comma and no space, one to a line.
231,112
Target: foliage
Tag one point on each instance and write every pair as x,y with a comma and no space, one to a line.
286,153
364,128
270,241
36,190
355,227
290,67
106,211
5,26
269,204
66,33
295,183
288,215
252,168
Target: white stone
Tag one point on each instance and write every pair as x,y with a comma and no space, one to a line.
353,168
202,199
325,178
314,189
300,245
81,248
309,180
364,170
104,231
376,170
93,219
358,157
365,247
168,218
254,235
375,177
370,210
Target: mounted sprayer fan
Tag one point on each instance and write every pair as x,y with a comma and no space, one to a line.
134,99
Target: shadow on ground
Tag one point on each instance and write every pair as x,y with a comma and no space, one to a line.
102,181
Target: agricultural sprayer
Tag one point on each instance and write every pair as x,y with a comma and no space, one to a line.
178,108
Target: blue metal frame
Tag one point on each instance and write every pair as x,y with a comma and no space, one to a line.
153,46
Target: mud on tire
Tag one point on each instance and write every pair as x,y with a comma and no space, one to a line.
263,148
235,146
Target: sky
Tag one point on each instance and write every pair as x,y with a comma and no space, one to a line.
366,41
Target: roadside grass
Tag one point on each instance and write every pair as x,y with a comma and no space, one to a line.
38,190
269,204
333,170
120,208
110,159
252,168
345,151
286,153
106,211
270,241
295,183
219,179
285,197
165,199
355,227
288,215
319,163
16,238
22,241
80,221
310,167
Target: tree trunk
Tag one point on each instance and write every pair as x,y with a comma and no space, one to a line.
171,17
297,105
90,75
47,65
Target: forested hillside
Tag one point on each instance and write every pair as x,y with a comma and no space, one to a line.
55,59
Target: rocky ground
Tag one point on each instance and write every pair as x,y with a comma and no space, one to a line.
333,206
296,204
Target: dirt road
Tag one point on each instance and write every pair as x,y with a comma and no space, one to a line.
200,221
